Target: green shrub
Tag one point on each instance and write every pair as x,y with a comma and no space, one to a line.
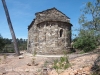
34,53
63,63
5,56
0,59
55,66
86,41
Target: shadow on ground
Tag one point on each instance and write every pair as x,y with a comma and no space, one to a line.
96,67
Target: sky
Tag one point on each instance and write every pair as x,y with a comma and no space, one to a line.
22,12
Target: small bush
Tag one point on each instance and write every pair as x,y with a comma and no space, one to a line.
86,42
33,60
55,65
34,53
5,56
0,59
63,63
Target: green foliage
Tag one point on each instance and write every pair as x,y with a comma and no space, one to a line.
22,45
34,53
45,64
2,43
63,63
98,39
0,59
6,45
55,66
5,56
86,41
90,18
33,61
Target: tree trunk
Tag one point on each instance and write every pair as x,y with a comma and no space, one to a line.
11,28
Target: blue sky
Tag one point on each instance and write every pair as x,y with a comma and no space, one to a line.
22,12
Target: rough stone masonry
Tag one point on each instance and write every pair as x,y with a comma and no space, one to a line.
49,33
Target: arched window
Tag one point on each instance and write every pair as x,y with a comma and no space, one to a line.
61,32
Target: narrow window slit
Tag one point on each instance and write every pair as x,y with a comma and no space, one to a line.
61,32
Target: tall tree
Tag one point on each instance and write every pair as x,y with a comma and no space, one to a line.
88,37
90,18
11,28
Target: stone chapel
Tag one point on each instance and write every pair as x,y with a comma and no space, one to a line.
49,33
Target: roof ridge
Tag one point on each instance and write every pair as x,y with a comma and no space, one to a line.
53,8
46,10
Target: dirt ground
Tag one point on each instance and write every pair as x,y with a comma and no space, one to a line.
27,64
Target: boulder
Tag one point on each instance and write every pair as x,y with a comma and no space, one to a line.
21,57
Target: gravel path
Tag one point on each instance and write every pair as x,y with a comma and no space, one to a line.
70,56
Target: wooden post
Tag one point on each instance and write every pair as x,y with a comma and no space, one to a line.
11,28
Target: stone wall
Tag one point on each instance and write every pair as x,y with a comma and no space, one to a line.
49,37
